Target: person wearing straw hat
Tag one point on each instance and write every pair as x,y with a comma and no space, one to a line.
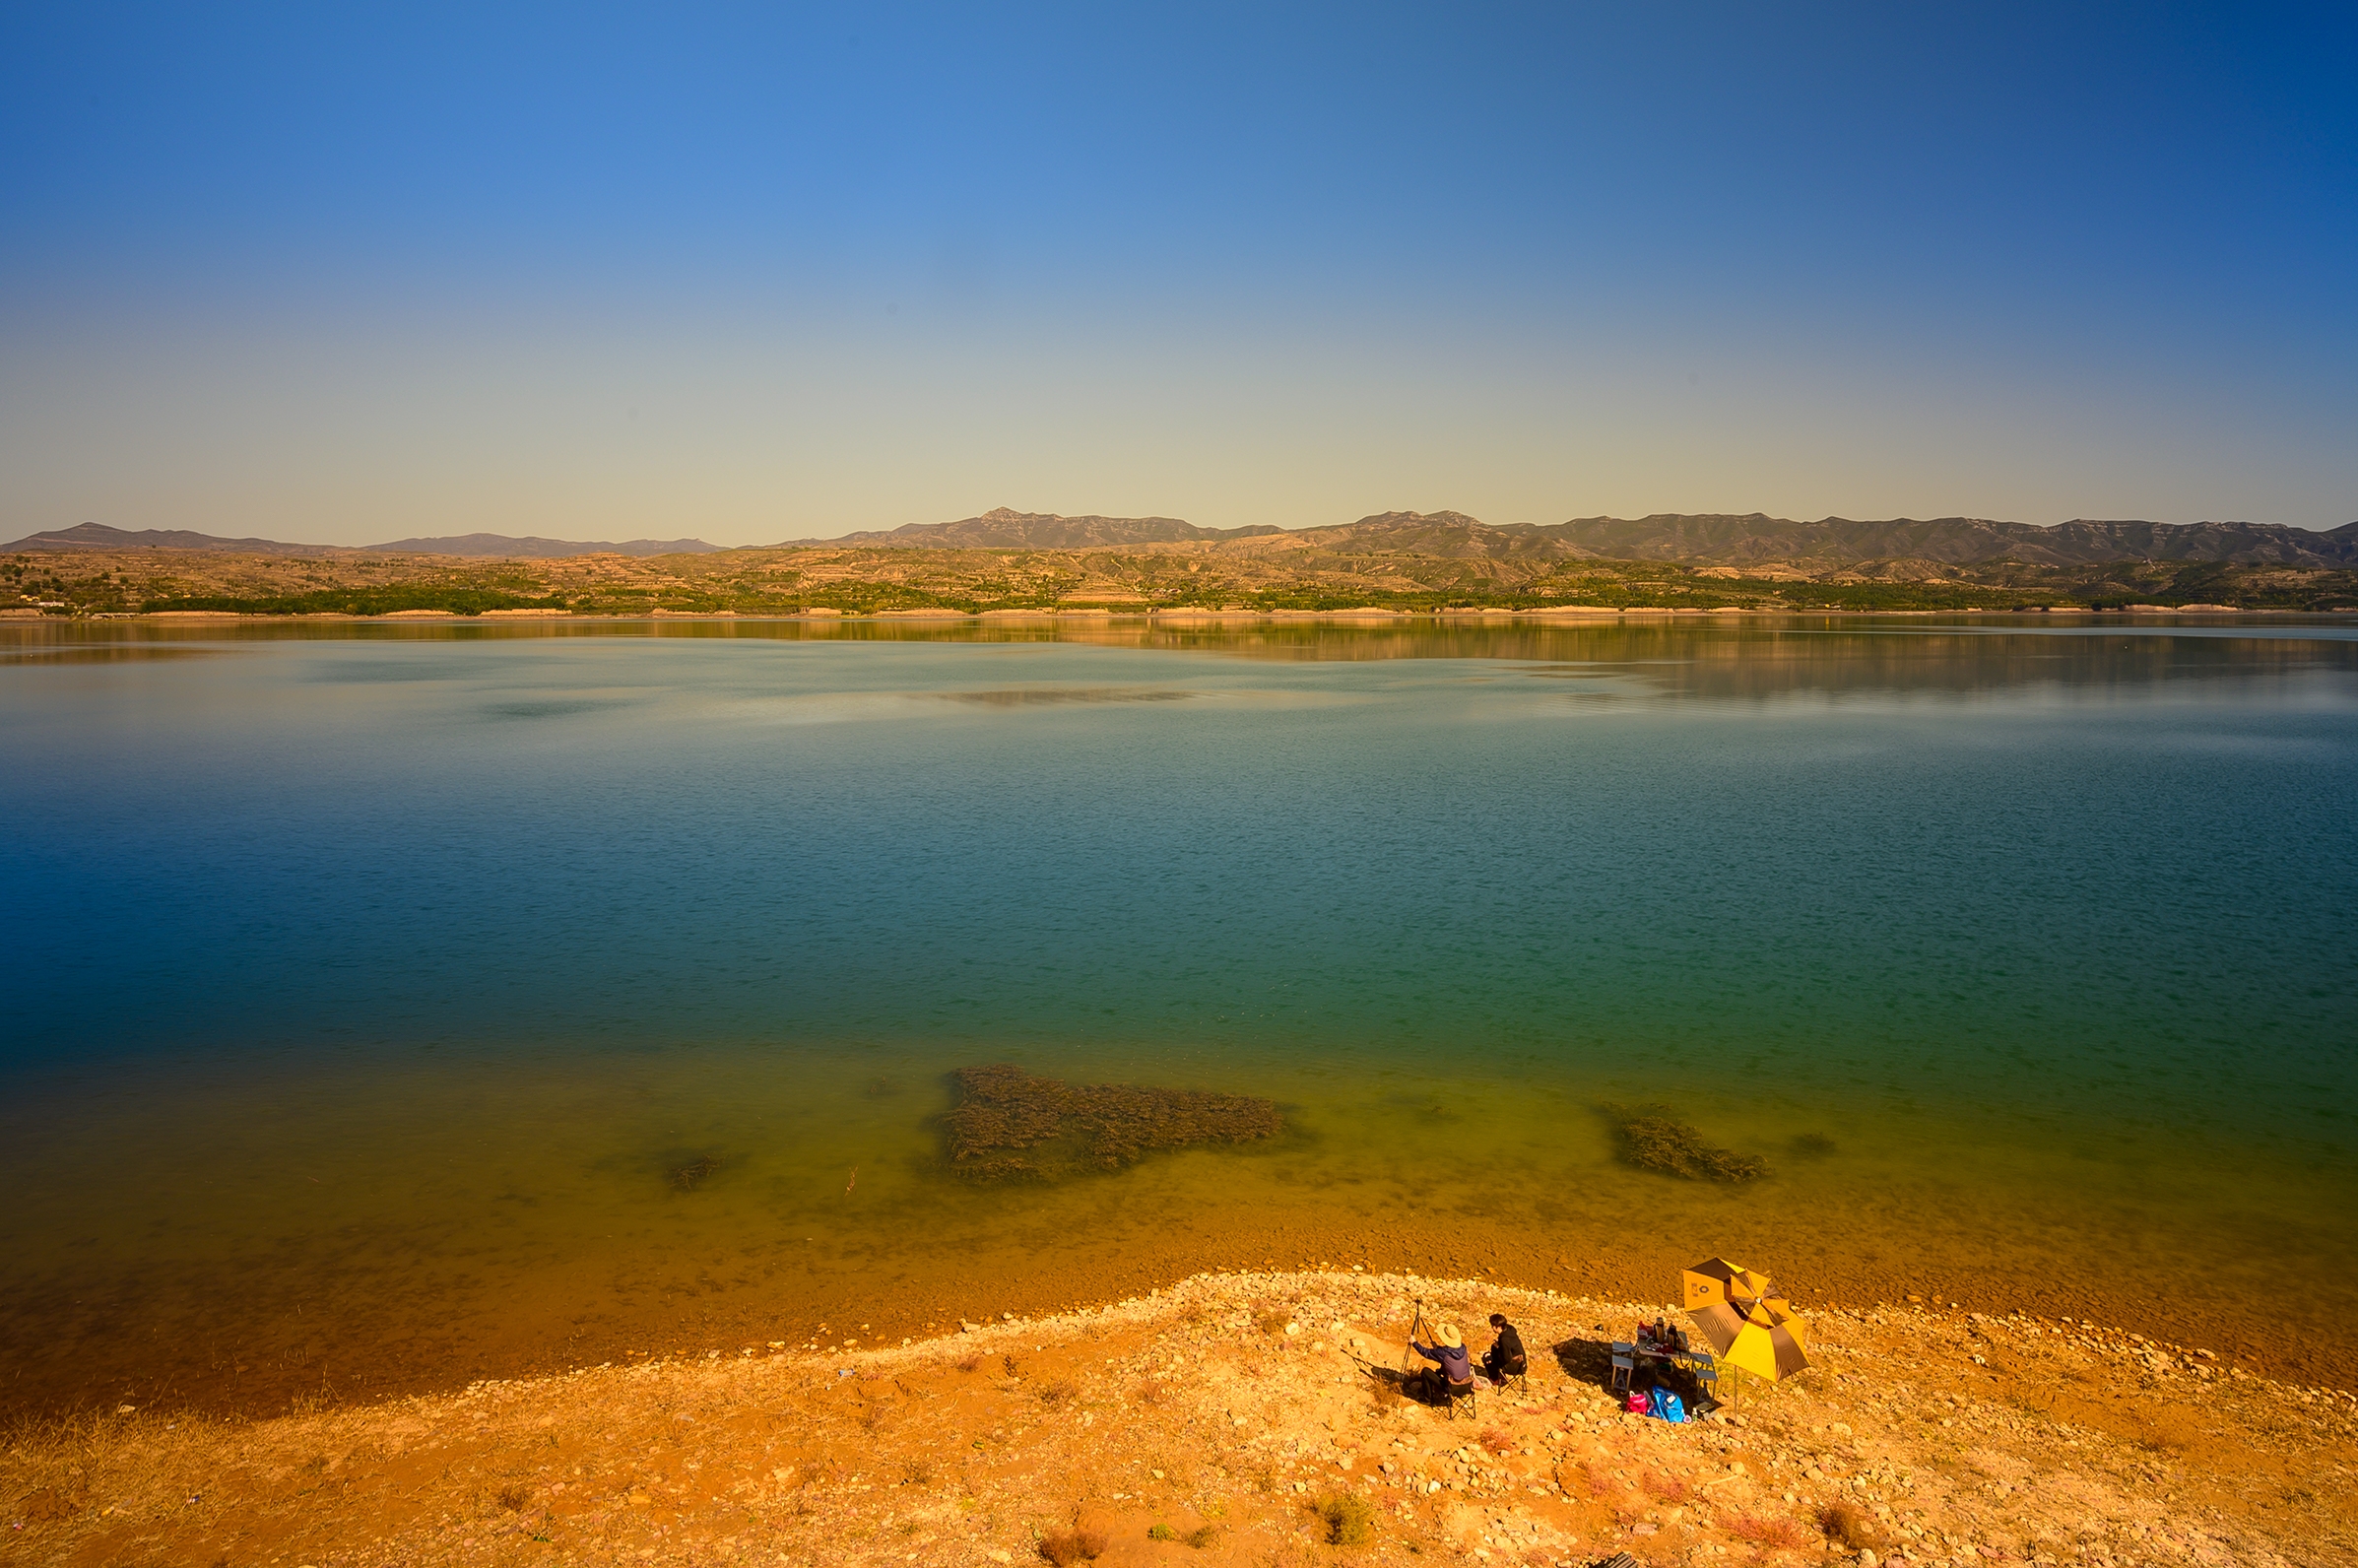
1450,1354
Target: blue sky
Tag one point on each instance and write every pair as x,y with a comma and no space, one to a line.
746,273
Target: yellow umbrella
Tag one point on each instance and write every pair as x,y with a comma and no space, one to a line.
1752,1328
1721,1284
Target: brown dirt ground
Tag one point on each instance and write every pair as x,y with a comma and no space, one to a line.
1224,1410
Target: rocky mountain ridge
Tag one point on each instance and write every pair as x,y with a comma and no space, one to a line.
484,547
1749,540
1003,529
1700,538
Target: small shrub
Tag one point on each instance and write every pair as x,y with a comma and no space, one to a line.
1769,1529
1065,1548
1271,1321
1013,1370
512,1497
918,1472
1496,1441
1350,1520
1161,1532
1203,1536
1667,1486
1598,1485
968,1362
1848,1527
1058,1391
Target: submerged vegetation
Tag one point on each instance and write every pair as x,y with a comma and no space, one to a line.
1010,1125
690,1174
1652,1137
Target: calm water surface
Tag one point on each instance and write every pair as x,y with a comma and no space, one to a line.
368,984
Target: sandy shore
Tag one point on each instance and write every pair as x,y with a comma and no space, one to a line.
1212,1423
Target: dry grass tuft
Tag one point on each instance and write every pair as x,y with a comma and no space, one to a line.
1599,1485
512,1497
1271,1321
1496,1441
968,1362
918,1472
1065,1548
1059,1392
1769,1529
1203,1536
1350,1520
1848,1527
1667,1486
1153,1392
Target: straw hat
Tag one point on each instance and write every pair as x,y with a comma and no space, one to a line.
1450,1336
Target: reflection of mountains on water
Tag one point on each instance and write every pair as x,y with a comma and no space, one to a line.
1760,666
1722,658
1739,662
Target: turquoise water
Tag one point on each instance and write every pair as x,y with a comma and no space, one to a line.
392,968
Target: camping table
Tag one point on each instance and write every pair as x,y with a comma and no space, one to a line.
1655,1350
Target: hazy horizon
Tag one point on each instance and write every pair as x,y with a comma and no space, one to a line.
345,279
823,537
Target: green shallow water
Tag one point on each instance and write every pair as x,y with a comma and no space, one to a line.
378,977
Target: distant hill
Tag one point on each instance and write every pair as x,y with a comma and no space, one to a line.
1001,529
1453,535
1724,539
1961,540
98,536
533,548
1700,538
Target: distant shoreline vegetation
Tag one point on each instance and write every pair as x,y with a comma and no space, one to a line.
362,602
1648,587
884,580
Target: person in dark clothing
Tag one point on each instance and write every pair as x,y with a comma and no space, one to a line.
1450,1354
1504,1359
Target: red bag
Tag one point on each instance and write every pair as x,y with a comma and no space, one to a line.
1636,1405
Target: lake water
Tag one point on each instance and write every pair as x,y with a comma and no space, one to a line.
369,986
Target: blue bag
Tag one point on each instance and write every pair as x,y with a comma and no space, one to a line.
1663,1404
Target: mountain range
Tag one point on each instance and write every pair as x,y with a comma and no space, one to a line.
98,536
1001,529
1700,538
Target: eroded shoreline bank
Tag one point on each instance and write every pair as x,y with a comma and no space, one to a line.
1224,1410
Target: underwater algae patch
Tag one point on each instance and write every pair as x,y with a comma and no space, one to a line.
688,1173
1010,1125
1652,1137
